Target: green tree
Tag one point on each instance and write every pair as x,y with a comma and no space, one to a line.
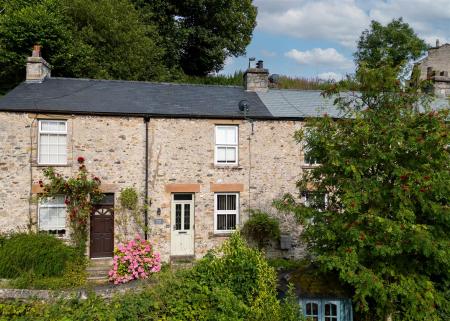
200,34
385,168
392,45
93,39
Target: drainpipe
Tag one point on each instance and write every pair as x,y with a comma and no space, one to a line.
146,120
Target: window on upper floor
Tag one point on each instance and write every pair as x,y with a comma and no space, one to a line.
52,215
226,212
226,150
52,142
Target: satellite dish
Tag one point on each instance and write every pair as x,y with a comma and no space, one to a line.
244,106
274,78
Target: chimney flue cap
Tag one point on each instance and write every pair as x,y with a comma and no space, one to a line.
260,64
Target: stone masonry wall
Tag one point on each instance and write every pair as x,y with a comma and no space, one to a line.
181,151
438,59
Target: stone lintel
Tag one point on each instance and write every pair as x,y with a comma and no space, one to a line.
182,188
226,187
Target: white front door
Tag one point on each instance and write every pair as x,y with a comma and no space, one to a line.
182,221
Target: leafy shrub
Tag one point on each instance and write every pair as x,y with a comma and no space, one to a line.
74,276
41,254
232,283
136,260
261,228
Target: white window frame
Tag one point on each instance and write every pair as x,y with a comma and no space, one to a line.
217,146
58,133
227,212
45,204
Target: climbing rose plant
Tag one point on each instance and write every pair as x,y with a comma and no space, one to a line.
81,192
135,260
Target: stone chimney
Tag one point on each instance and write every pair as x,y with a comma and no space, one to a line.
37,68
256,78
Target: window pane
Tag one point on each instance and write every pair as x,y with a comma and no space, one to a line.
221,202
221,222
231,135
334,309
315,309
187,216
43,159
308,309
231,154
221,154
177,217
53,139
231,222
221,135
327,309
43,218
44,139
182,197
231,202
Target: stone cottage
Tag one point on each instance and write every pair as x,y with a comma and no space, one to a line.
436,67
202,155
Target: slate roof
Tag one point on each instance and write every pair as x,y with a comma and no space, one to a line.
298,103
69,95
135,98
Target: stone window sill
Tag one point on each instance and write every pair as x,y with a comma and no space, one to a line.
310,166
222,234
51,165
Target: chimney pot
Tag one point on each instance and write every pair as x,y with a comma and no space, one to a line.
260,64
437,43
37,68
36,51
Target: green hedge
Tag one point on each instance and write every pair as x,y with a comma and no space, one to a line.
40,254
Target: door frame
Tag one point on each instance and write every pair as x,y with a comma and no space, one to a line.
99,205
173,204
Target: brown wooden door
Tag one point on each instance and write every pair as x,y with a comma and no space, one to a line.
102,229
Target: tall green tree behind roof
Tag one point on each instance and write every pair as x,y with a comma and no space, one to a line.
392,45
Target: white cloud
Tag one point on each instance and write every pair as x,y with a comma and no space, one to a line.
341,21
320,57
330,76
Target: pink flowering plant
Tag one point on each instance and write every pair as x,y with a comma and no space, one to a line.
135,260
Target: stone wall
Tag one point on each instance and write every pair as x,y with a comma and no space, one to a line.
181,151
438,59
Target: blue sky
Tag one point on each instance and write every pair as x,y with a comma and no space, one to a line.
316,38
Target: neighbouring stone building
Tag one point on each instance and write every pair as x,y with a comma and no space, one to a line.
203,155
436,67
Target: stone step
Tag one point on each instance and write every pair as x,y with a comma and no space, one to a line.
98,273
101,262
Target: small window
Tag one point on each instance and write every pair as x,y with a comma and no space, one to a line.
312,311
331,313
314,199
226,213
226,152
52,215
52,142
